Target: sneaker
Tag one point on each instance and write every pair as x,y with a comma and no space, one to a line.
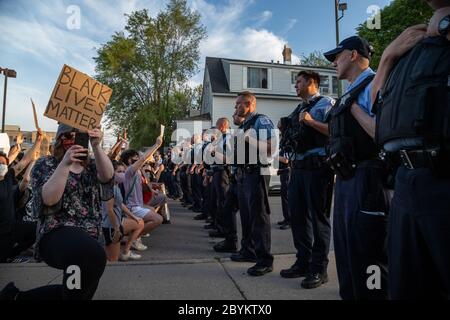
145,235
138,245
19,259
129,256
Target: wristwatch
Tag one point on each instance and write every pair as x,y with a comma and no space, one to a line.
444,26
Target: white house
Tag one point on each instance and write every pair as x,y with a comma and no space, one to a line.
272,83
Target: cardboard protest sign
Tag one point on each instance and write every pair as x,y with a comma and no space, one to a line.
78,100
36,123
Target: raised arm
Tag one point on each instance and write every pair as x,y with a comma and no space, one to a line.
18,168
138,164
112,154
105,170
26,177
15,149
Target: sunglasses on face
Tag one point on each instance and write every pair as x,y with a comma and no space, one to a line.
68,135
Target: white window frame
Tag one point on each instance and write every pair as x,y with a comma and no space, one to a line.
269,78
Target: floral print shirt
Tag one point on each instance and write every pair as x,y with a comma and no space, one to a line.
80,205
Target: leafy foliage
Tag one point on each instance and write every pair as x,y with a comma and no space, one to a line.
395,18
147,65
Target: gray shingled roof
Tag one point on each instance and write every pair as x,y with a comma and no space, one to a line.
219,83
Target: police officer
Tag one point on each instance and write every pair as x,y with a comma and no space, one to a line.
220,179
258,131
419,229
194,172
231,203
310,185
361,201
185,178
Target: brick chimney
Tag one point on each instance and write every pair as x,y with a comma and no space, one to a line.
287,55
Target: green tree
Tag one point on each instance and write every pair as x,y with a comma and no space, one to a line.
395,18
147,65
315,59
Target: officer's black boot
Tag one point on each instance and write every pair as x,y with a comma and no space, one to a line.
294,272
226,246
314,280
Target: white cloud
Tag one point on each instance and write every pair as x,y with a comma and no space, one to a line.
291,24
47,43
266,15
228,38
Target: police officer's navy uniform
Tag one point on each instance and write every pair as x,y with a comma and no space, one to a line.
196,178
309,192
285,173
231,203
253,198
361,203
220,185
185,177
413,126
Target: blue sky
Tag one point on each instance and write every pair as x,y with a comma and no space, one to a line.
36,42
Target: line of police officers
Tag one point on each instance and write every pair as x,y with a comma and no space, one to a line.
388,134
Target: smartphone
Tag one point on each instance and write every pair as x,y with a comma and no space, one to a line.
82,139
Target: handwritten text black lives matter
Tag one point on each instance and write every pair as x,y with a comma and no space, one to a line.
78,100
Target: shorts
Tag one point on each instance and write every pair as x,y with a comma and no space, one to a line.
108,234
140,212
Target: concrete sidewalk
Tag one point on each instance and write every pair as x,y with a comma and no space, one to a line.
181,265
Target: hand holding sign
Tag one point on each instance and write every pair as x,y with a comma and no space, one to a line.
95,136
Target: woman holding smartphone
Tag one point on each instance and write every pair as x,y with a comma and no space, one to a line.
67,197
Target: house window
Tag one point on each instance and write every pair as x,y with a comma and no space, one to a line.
294,77
257,78
335,86
324,85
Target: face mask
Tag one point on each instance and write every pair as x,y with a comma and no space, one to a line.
3,170
119,177
67,144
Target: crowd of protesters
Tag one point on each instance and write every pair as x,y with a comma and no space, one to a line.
71,207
